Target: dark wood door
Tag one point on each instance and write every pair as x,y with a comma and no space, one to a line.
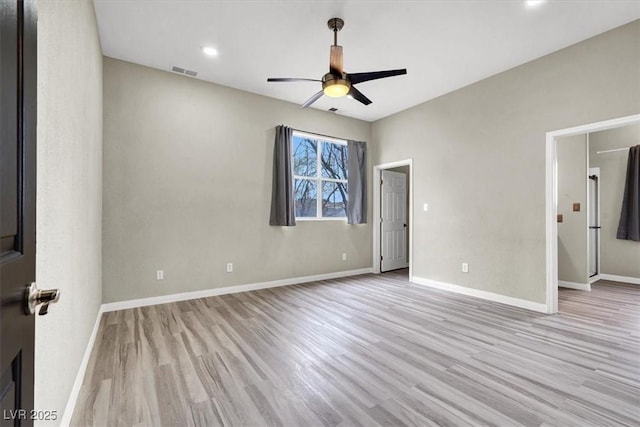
17,207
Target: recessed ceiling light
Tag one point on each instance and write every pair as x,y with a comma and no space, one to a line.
210,51
534,3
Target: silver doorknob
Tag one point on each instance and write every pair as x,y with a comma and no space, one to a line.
36,296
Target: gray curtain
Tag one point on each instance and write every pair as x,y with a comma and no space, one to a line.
629,226
357,183
283,205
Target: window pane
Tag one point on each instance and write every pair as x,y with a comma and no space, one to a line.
334,199
305,157
334,161
306,198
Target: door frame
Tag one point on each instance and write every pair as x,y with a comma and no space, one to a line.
551,197
377,171
593,171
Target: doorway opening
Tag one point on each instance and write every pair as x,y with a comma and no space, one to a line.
393,216
552,213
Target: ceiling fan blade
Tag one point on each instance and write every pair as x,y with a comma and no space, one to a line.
335,61
358,96
291,79
313,99
356,78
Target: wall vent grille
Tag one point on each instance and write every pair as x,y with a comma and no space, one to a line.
181,70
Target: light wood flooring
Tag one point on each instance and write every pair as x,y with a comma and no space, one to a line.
365,351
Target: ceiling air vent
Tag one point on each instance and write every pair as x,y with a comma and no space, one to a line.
181,70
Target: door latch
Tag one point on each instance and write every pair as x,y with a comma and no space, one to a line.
36,297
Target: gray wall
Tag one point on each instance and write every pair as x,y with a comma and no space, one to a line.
479,159
572,188
618,257
69,193
187,188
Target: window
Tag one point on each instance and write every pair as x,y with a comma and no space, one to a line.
319,168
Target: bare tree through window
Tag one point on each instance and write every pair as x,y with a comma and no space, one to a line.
320,166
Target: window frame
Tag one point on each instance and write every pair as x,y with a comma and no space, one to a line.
319,179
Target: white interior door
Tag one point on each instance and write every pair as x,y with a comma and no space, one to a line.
393,227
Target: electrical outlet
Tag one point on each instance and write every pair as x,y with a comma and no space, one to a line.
160,275
465,267
344,256
426,207
229,267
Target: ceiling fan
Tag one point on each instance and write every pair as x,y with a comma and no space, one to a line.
336,82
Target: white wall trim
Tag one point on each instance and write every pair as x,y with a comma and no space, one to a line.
551,184
625,279
503,299
594,278
77,384
574,285
163,299
377,171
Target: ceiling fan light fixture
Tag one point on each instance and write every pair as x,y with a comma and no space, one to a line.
336,89
335,86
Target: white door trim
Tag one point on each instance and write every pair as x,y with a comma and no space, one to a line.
376,212
551,196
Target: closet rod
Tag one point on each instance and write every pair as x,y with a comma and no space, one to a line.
611,151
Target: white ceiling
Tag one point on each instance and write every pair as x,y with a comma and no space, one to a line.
444,45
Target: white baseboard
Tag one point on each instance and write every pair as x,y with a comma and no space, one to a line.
163,299
503,299
574,285
75,390
625,279
594,278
